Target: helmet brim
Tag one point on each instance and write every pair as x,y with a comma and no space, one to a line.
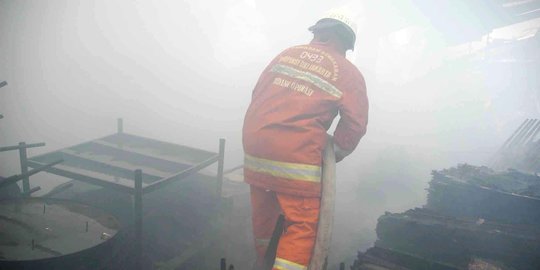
324,24
327,23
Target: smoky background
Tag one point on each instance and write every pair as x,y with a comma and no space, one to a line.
183,72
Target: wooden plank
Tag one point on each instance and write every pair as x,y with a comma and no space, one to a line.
182,153
113,165
95,178
181,175
140,153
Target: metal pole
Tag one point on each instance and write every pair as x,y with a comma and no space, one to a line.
521,134
507,142
2,84
527,133
223,264
34,189
221,161
499,158
120,125
138,205
17,147
24,167
13,179
532,133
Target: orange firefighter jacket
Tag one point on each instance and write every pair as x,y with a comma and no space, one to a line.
295,100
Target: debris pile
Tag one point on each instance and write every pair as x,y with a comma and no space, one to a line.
475,218
507,197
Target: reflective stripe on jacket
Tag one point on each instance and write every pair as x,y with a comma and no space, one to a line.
282,264
293,105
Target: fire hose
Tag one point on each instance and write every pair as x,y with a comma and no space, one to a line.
326,214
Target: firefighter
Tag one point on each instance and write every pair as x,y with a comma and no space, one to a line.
293,105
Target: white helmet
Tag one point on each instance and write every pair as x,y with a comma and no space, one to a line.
342,17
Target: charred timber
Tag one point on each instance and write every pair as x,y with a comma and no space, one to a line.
479,192
456,241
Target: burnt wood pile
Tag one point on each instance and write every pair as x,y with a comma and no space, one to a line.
475,218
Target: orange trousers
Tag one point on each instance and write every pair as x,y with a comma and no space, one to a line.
296,244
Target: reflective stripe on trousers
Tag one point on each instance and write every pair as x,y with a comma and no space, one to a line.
289,170
282,264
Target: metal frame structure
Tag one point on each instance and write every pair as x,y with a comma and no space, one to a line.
113,161
25,173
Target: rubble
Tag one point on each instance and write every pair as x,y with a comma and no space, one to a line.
455,241
479,192
511,181
475,218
